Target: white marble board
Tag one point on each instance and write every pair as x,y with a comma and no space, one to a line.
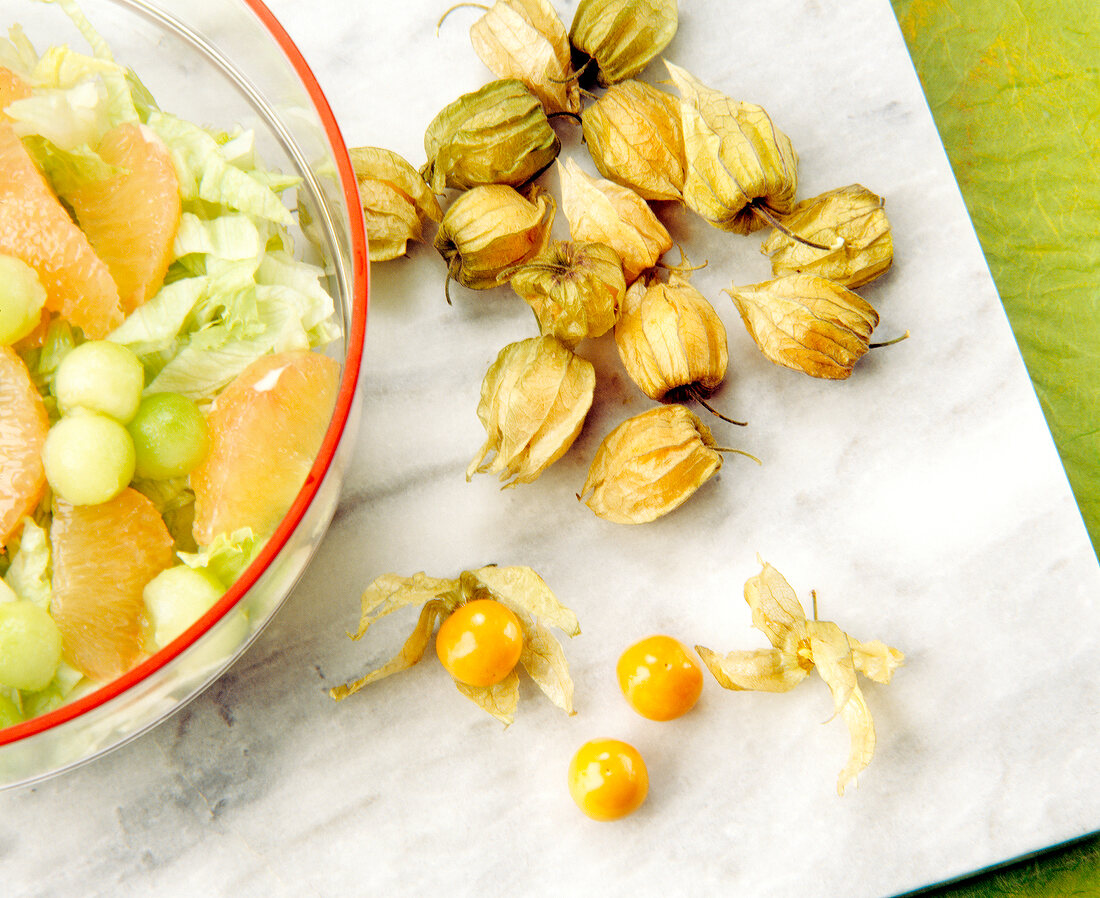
923,499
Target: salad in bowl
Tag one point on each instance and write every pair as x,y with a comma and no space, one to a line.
174,380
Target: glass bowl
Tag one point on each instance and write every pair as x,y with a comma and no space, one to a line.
222,63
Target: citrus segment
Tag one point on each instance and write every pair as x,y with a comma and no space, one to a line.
35,227
23,428
131,219
12,88
103,556
266,428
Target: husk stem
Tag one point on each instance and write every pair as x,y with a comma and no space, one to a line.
578,73
548,267
683,267
736,452
571,79
695,393
439,24
904,336
565,114
767,214
451,269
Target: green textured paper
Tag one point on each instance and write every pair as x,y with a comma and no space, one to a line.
1015,91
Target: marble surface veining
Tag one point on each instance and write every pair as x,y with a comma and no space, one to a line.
922,499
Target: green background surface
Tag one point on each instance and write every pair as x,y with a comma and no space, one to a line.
1014,88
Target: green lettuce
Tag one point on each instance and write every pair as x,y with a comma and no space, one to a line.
204,173
17,53
227,556
28,574
60,688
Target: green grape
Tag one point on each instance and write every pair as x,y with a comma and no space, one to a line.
176,598
100,376
9,713
21,299
89,458
30,646
170,436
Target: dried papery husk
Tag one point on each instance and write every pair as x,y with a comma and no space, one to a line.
519,588
649,465
739,164
488,230
635,137
852,219
601,211
671,340
526,40
798,646
396,201
574,289
498,134
622,36
534,400
807,323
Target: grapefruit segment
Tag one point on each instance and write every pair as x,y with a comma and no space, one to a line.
131,219
103,556
23,428
12,88
266,429
35,227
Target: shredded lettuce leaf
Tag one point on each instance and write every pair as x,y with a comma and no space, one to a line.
42,362
205,174
17,53
227,556
232,237
175,501
67,170
28,574
61,687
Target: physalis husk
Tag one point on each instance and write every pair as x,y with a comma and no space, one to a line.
526,40
649,465
670,339
851,221
798,646
635,138
740,167
601,211
622,36
575,289
396,201
490,229
808,323
520,589
534,400
499,134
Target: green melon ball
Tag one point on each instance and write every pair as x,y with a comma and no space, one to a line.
89,458
100,376
22,297
170,436
30,646
176,598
